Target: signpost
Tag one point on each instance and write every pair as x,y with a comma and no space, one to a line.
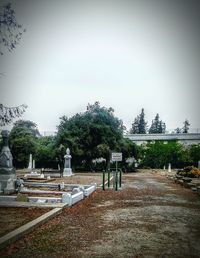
116,156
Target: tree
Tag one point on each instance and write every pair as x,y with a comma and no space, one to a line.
178,130
157,125
10,35
159,154
7,114
31,126
23,142
90,135
10,30
186,126
195,154
139,125
135,126
45,155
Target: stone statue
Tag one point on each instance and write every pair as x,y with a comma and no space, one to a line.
7,172
67,165
5,156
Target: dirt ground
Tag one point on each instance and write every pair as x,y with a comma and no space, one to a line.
149,217
12,218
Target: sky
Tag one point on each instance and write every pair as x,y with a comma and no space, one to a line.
126,54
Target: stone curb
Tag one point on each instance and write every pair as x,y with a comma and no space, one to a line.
32,204
27,228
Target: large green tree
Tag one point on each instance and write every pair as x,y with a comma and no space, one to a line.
89,135
23,137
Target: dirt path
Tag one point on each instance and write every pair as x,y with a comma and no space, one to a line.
149,217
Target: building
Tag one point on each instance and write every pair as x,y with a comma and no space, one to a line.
184,138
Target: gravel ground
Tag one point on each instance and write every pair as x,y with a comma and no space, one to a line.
149,217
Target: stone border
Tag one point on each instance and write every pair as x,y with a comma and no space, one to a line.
32,204
27,228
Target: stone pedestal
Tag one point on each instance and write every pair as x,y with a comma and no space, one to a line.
7,172
67,166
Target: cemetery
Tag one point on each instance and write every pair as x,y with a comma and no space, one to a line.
94,198
79,178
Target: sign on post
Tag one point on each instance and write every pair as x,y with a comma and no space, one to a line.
116,156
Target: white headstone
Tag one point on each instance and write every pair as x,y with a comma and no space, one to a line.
169,167
199,164
33,164
164,167
30,162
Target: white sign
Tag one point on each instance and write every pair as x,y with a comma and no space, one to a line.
116,156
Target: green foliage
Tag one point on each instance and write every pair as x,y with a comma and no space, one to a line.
159,154
194,152
27,124
45,155
157,125
139,125
23,142
90,135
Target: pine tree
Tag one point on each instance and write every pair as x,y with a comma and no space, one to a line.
157,125
135,126
139,125
186,125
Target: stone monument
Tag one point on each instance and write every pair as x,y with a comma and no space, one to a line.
30,164
7,172
169,167
67,166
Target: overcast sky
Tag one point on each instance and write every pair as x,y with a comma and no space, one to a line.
127,55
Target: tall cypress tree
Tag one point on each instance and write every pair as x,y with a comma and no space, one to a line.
157,125
139,125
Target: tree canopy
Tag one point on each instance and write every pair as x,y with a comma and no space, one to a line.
23,142
92,134
139,125
157,125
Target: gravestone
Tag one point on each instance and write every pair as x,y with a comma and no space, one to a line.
30,164
169,167
199,164
7,172
33,164
67,166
